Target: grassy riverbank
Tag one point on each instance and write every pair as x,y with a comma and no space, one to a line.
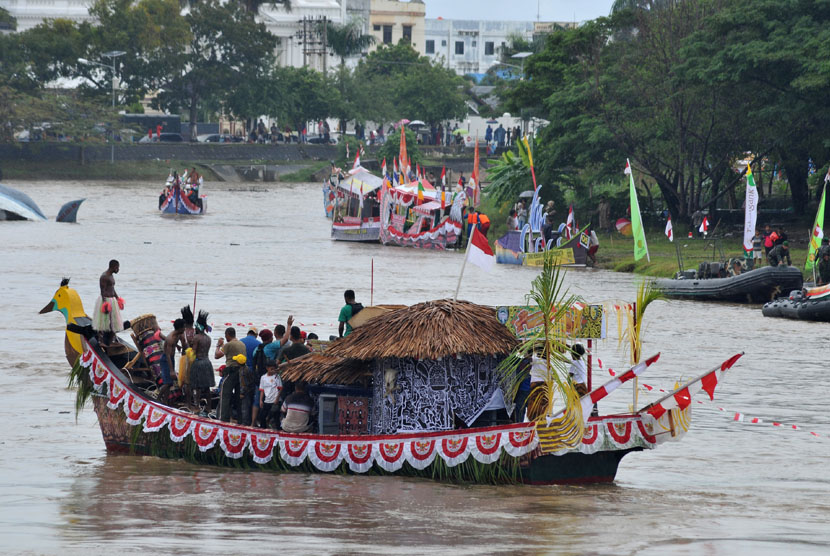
616,252
154,170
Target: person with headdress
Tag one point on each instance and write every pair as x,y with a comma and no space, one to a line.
188,356
202,378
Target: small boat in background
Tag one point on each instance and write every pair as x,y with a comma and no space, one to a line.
176,200
753,286
355,211
808,304
16,205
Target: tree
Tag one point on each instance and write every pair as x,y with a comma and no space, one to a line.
298,95
227,50
391,148
412,86
348,39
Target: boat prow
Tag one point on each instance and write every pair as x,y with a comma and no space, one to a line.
16,205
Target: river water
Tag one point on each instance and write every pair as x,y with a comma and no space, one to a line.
725,488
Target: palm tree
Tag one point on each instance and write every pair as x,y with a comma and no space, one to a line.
348,39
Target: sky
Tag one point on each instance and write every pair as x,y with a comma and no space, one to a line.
518,10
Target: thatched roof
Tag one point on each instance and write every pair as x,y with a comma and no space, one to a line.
321,368
429,330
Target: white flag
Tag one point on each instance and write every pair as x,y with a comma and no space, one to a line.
669,230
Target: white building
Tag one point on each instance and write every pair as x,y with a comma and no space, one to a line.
473,46
30,13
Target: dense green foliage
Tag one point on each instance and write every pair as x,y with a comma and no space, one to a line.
683,89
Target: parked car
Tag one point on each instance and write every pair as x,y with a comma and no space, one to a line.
164,138
322,140
219,138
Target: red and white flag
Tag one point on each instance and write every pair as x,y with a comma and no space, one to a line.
627,170
569,223
704,226
669,233
443,176
356,165
479,252
681,398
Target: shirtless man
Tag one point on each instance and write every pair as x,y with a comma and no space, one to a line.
202,378
174,340
107,317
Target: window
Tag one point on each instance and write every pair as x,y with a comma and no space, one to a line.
443,43
407,33
475,43
430,47
387,34
376,27
489,48
459,47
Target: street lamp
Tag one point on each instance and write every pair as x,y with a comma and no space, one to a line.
112,55
521,56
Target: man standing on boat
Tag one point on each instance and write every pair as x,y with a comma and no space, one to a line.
350,309
202,378
168,360
107,316
230,386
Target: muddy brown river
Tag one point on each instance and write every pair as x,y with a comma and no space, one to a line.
726,488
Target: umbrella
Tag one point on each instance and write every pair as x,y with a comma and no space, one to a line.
525,194
460,132
624,226
416,123
491,121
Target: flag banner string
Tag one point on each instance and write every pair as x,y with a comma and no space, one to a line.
736,415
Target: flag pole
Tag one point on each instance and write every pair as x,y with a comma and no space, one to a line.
372,285
195,287
466,254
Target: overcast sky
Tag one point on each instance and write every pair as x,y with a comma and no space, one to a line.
518,10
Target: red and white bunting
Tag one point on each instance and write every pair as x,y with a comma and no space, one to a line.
681,397
388,452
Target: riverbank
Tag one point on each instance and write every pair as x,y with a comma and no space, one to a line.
616,252
154,170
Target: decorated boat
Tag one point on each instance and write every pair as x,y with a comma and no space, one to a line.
528,246
753,286
355,210
188,200
420,404
807,304
425,219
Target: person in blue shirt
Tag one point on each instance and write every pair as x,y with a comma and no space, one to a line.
251,343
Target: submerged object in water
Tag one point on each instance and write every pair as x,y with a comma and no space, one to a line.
16,205
69,211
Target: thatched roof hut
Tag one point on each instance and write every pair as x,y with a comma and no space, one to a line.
426,366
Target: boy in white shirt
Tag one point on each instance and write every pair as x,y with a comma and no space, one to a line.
270,386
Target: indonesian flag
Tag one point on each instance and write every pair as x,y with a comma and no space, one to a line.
443,176
681,398
479,252
588,400
704,226
627,170
569,223
356,165
669,233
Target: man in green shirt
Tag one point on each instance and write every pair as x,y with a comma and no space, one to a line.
349,310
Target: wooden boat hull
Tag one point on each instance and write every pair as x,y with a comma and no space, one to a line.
367,231
133,423
756,286
181,205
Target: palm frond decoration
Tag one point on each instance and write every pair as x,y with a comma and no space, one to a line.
630,321
79,379
550,295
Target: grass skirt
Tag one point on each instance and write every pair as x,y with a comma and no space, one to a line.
107,322
201,375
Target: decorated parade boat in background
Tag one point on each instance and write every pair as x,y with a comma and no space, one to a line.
417,215
395,397
528,246
353,206
176,199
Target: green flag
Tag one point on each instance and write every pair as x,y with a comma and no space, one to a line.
640,245
817,233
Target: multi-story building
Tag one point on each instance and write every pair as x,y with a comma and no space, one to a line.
393,20
30,13
473,46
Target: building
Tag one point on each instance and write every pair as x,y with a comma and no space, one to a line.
393,20
473,46
30,13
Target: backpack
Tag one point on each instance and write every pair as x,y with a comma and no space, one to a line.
259,361
356,308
